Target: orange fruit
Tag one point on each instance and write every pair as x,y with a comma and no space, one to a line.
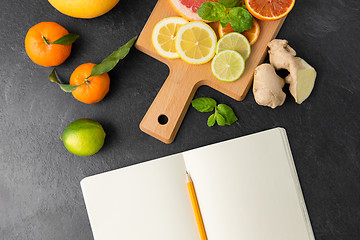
83,8
94,88
269,9
187,8
251,34
46,54
225,30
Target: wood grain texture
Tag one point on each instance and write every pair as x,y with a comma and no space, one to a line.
184,79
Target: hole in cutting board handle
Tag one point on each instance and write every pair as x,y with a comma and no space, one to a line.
163,119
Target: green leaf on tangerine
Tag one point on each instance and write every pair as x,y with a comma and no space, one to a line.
64,87
110,62
67,39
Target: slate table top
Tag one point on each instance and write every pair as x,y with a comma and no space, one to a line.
40,195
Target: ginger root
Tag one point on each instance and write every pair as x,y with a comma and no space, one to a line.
302,76
268,86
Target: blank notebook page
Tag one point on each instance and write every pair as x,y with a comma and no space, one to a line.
248,188
146,201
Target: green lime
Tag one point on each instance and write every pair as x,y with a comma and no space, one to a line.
83,137
234,41
228,65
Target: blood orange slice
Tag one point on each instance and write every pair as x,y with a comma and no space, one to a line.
251,34
269,9
187,8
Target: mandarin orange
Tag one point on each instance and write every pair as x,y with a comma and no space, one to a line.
93,89
39,48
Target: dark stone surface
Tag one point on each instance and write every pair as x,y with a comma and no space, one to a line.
40,195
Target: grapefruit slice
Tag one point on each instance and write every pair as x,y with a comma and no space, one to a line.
269,9
187,8
251,34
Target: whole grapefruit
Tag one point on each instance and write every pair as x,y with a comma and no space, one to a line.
83,8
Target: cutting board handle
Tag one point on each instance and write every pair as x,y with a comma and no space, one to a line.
167,111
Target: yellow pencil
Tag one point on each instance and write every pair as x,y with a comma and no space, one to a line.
196,208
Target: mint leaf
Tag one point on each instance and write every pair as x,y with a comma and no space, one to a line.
211,11
64,87
239,18
110,62
224,115
221,121
67,39
211,120
204,104
230,3
227,113
224,21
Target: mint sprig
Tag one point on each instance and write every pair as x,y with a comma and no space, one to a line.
105,66
224,115
238,16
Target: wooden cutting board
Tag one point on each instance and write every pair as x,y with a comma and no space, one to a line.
168,110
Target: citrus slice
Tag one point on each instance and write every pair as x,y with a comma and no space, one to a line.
164,35
196,42
234,41
228,65
187,8
251,34
269,9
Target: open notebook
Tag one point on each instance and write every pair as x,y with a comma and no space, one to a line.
247,188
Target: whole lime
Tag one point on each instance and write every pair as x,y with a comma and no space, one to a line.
83,137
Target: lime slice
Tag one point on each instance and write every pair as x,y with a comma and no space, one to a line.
228,65
234,41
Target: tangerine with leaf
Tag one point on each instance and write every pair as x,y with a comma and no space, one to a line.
49,44
91,89
89,83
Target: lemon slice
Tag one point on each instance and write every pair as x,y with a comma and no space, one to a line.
228,65
196,42
164,35
234,41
